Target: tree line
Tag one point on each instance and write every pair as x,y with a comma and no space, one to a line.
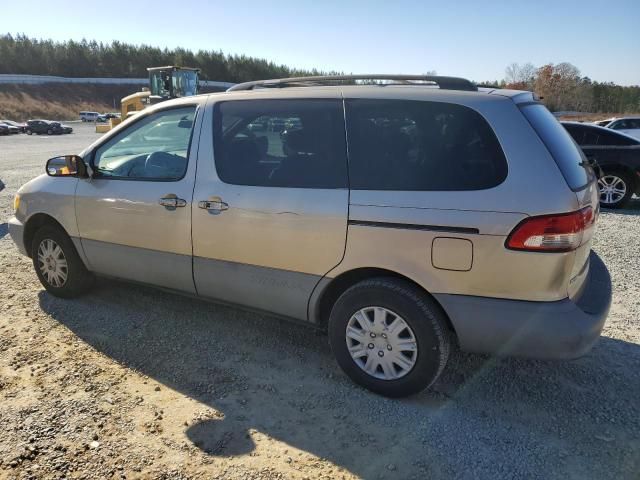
87,58
561,86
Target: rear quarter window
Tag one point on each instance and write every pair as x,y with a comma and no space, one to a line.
565,152
409,145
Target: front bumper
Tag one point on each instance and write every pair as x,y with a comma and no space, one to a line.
563,329
16,231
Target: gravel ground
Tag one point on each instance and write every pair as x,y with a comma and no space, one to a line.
131,382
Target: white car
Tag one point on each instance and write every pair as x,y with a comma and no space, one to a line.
628,125
605,122
89,116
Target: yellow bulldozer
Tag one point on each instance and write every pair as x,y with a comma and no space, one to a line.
164,83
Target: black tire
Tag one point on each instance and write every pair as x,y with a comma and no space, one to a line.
49,132
29,132
627,179
422,314
78,279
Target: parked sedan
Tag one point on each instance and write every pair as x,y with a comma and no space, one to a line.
20,126
11,128
44,126
65,128
617,155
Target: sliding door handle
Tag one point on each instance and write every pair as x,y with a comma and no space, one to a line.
213,205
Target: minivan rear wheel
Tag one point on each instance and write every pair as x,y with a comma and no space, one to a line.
615,189
389,336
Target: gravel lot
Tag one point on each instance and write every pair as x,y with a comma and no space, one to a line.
130,382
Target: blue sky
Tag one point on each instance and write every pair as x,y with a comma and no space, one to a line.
474,39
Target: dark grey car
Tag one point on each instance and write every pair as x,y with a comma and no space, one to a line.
618,159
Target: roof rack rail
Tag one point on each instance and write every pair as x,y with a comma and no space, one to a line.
445,83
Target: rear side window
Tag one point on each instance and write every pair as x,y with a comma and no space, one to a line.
281,143
420,146
614,138
560,144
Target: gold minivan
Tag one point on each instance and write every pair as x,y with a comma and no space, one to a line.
400,213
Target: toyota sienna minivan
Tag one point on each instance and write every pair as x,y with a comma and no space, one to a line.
403,215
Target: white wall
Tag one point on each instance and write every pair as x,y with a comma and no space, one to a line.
40,79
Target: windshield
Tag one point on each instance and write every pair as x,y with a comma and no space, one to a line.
185,83
179,83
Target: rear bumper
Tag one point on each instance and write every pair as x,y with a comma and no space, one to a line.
16,231
547,330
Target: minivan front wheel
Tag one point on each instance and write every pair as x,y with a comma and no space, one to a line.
389,336
615,189
58,265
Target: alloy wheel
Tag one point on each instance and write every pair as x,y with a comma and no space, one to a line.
612,189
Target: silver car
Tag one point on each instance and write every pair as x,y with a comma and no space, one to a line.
403,216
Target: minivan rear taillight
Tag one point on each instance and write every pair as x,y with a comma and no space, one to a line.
561,232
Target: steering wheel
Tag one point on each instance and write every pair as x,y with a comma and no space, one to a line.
252,136
156,161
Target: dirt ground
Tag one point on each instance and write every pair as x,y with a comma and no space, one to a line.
132,382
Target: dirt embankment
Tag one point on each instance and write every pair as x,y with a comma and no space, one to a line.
60,101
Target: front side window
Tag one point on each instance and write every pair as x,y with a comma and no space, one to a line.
154,148
281,143
421,146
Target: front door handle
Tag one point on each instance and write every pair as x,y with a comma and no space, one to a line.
171,201
213,205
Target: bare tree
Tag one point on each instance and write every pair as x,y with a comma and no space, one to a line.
520,76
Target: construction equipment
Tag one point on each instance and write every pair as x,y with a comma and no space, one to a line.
164,83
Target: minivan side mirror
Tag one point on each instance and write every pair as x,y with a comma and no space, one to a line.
66,166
